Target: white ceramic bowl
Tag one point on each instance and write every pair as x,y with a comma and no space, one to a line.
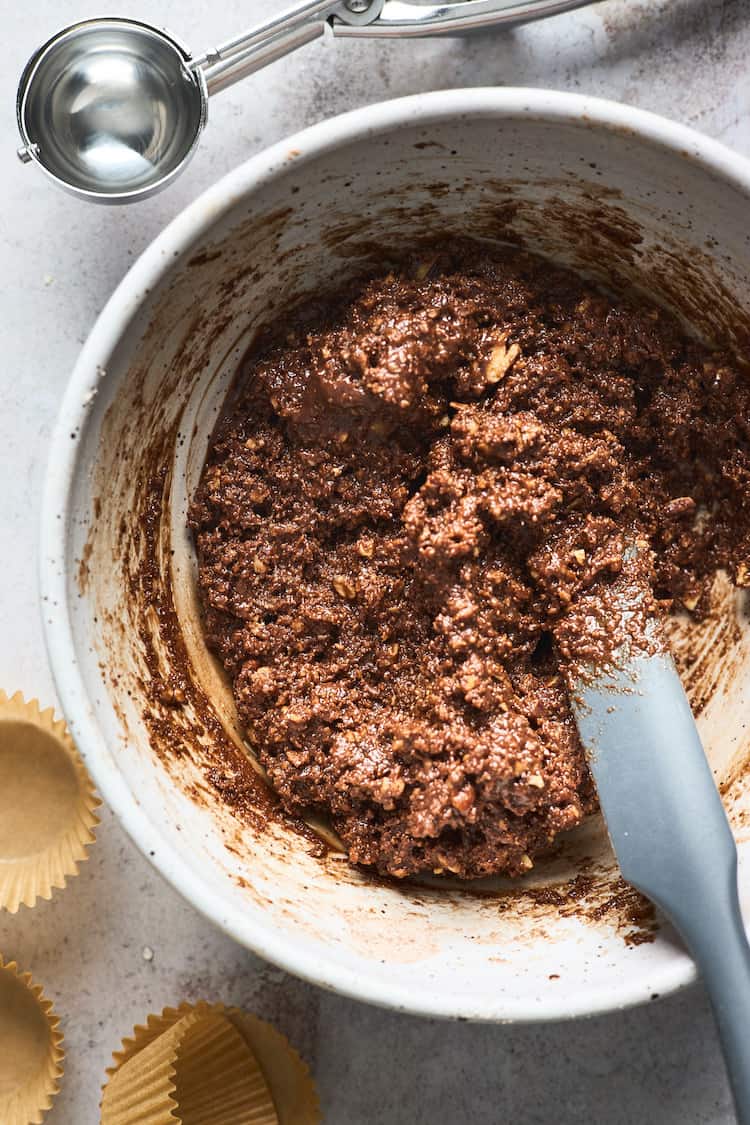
622,195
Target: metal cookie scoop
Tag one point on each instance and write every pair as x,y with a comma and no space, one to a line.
663,812
112,109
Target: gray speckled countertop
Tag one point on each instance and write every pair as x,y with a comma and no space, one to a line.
60,259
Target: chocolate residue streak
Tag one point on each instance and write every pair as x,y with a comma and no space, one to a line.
585,897
595,229
707,304
596,895
706,651
205,256
84,573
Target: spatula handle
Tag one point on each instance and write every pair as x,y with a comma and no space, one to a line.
717,941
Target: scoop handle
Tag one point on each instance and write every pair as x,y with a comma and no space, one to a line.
414,18
225,72
277,36
284,32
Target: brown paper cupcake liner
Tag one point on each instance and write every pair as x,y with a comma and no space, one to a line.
31,1054
287,1074
240,1095
47,804
283,1092
199,1072
141,1091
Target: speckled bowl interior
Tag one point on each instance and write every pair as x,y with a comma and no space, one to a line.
624,197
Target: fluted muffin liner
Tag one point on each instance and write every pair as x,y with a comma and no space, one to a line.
31,1055
287,1074
270,1086
47,803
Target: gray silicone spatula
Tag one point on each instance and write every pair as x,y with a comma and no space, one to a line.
663,812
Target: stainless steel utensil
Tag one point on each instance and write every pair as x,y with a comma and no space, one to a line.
112,109
667,823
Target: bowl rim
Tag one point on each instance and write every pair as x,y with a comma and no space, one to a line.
153,264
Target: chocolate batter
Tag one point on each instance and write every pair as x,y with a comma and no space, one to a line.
411,495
